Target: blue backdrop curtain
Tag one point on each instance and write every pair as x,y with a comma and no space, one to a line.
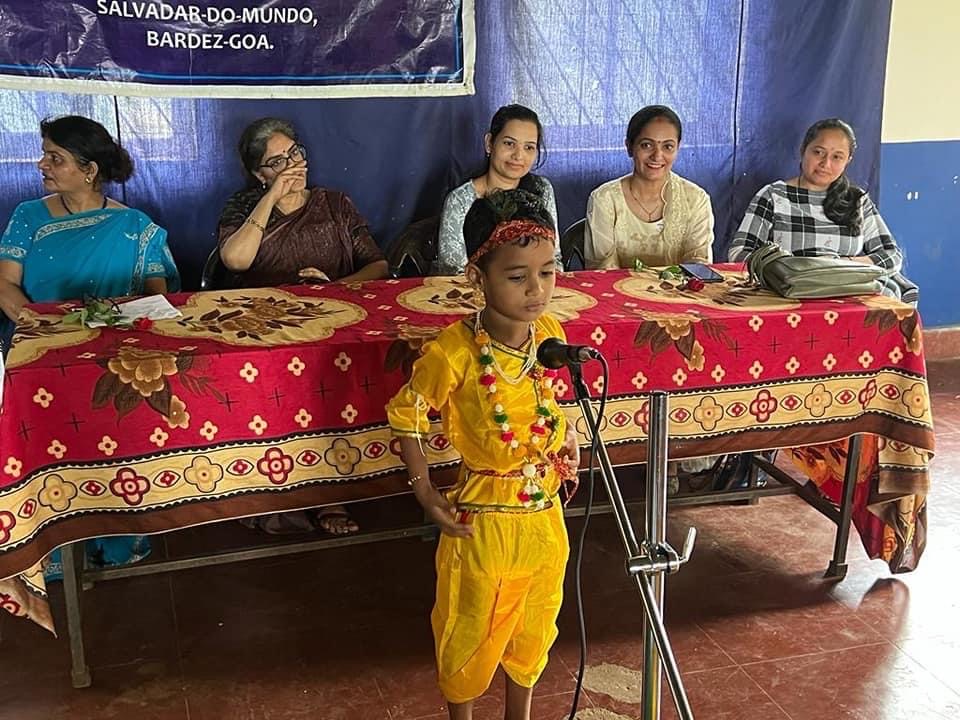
746,78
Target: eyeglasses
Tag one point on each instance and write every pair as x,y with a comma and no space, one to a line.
279,163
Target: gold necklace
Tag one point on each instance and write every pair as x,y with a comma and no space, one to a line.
661,203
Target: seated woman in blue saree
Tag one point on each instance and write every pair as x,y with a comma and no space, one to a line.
77,242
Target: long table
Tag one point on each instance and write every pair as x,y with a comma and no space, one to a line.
259,401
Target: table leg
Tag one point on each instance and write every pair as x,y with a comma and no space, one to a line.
838,565
72,558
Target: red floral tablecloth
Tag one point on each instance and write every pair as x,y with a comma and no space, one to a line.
257,401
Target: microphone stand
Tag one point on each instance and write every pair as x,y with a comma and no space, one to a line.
646,561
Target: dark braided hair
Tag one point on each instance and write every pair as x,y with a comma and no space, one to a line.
497,207
842,204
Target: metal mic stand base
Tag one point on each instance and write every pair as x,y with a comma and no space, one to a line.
644,561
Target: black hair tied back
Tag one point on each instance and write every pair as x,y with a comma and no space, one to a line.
842,204
88,141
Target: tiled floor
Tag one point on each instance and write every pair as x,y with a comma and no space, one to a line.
343,634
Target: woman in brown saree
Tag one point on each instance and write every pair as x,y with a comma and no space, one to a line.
280,231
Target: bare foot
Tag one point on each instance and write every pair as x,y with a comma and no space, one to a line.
335,520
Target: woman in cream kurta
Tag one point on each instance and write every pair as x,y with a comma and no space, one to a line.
499,592
615,237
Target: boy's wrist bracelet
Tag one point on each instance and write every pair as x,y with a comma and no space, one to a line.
412,481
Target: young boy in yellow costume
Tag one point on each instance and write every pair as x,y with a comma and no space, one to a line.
503,548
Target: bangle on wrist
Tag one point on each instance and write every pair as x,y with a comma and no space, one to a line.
412,481
251,221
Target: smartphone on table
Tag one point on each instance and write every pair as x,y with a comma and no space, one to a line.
701,272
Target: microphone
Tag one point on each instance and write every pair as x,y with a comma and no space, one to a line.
553,353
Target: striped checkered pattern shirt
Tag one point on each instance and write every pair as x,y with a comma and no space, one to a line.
794,219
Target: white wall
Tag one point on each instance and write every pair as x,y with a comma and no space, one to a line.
922,90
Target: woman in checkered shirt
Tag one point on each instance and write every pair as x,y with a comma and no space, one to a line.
821,213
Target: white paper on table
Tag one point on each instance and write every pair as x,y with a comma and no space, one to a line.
155,307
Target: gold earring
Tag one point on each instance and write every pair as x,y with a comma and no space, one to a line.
87,180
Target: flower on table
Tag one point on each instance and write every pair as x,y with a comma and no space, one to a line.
7,522
107,445
257,424
57,449
559,388
349,414
276,465
57,493
915,400
818,400
343,362
203,474
246,325
8,604
915,341
696,359
209,430
342,455
718,373
43,397
178,417
708,413
303,418
249,372
129,486
763,405
695,284
143,323
144,370
159,437
13,467
296,366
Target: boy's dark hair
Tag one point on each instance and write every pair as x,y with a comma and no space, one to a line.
497,207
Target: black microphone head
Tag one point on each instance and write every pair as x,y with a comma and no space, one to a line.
552,353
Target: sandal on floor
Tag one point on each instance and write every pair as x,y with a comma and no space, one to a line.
673,485
334,520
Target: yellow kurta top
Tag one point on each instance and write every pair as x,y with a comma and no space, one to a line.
616,237
447,377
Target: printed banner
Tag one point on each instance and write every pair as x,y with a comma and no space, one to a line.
239,48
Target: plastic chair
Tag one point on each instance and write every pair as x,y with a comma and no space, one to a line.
214,273
571,246
414,251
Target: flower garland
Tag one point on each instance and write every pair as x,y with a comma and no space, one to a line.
531,448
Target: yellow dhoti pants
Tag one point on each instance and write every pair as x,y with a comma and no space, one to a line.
498,596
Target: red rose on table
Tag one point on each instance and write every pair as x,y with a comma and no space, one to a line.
695,284
143,323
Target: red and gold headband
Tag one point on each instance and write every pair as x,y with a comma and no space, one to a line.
510,231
